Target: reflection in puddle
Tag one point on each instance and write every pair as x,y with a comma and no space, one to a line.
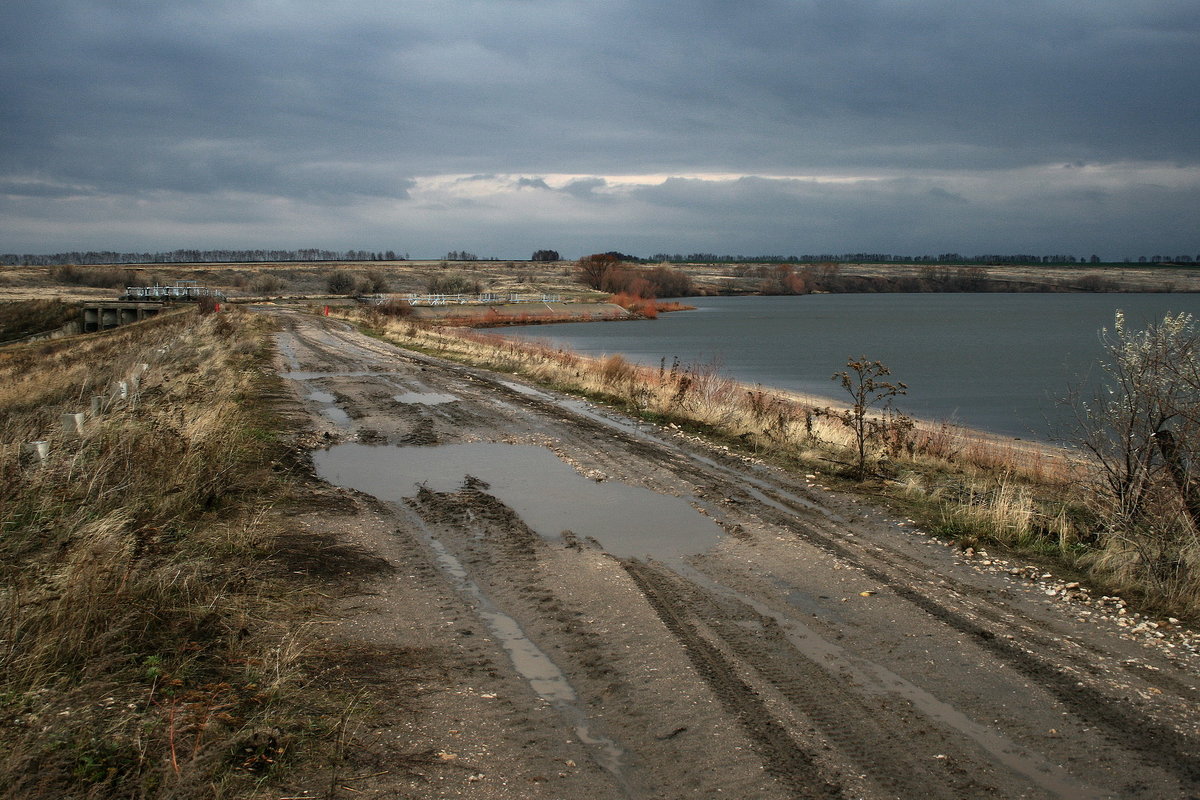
424,398
318,396
551,497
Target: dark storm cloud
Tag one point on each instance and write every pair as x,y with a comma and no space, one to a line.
319,103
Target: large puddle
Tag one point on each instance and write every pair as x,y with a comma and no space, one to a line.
550,496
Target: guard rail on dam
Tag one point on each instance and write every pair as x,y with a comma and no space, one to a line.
492,298
140,302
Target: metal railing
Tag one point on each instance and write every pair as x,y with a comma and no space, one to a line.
184,290
487,298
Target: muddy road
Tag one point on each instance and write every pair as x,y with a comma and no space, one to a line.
566,604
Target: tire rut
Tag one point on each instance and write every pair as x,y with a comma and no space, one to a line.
1160,744
879,736
783,757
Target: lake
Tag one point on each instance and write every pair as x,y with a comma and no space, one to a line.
998,362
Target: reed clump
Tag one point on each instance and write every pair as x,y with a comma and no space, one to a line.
960,483
145,648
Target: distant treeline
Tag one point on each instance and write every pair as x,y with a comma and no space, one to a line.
196,257
888,258
827,277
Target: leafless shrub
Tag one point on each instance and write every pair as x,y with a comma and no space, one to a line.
1142,429
341,282
267,284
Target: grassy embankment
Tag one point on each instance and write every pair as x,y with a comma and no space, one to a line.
954,482
151,640
20,319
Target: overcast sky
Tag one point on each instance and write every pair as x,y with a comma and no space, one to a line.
505,126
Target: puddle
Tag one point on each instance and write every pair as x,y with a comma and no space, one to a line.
585,409
534,665
549,496
289,352
337,416
425,398
329,408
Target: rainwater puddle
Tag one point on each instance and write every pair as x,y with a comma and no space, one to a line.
337,416
585,409
425,398
549,496
329,408
289,352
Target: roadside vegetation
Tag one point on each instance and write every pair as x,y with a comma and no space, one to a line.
22,318
1047,504
151,642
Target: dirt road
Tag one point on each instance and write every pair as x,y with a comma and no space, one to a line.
565,604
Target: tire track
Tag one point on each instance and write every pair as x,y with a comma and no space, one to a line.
1159,744
782,756
880,736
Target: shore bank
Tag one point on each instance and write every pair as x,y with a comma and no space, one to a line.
499,314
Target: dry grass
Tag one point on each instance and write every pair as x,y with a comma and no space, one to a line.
145,649
23,318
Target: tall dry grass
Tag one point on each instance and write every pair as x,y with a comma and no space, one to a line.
24,317
137,653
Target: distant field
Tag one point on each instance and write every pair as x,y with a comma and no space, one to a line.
305,280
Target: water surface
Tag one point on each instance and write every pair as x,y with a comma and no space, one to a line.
548,495
1000,362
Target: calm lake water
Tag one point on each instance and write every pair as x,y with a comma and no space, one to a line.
998,362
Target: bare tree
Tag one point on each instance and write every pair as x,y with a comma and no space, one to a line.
591,269
862,382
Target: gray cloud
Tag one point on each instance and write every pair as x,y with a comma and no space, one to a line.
350,105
